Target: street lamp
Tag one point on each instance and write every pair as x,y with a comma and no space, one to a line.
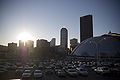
97,47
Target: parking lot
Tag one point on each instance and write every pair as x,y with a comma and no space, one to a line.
11,75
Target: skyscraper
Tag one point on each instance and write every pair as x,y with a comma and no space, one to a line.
29,43
64,38
86,27
21,43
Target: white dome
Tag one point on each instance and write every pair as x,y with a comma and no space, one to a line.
102,45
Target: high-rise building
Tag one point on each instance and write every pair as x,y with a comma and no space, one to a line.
53,42
42,43
29,44
64,38
21,43
73,43
86,27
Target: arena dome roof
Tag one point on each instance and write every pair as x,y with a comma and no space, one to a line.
102,45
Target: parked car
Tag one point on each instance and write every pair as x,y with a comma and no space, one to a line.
93,68
12,67
49,70
38,74
3,71
19,70
102,70
27,75
72,72
115,70
82,71
61,73
40,66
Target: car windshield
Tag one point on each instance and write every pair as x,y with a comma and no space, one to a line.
26,74
27,71
37,71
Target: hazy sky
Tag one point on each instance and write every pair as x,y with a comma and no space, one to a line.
43,19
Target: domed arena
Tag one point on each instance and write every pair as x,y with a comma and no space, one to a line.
103,46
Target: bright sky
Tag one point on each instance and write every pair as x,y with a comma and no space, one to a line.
43,19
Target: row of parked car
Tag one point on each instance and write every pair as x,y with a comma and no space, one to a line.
5,67
28,73
60,69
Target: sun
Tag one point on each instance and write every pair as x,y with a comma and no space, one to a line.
24,36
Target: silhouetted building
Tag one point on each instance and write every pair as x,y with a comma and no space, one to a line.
21,43
42,49
42,43
64,38
86,27
12,45
29,43
12,50
114,35
3,51
73,43
53,42
38,43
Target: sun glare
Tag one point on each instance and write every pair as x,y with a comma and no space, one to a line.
25,36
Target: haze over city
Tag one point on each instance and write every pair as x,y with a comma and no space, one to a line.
43,19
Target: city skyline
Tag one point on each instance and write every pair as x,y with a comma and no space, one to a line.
43,19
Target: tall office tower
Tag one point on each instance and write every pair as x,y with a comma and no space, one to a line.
29,44
21,43
86,27
73,43
53,42
64,38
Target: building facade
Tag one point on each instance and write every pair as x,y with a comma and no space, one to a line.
29,43
86,27
3,51
73,43
12,45
12,50
42,43
53,42
21,43
64,38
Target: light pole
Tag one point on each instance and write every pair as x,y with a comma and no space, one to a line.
97,48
